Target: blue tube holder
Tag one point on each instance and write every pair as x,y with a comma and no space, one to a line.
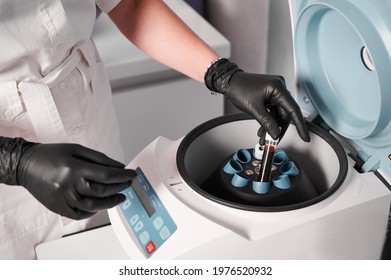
261,187
239,181
242,156
280,157
282,182
232,167
289,168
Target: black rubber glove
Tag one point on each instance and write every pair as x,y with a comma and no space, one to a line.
69,179
264,97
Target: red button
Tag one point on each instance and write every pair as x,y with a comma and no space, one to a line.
150,247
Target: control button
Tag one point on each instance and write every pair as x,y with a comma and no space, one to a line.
150,248
62,85
158,223
138,226
126,204
144,237
134,219
164,233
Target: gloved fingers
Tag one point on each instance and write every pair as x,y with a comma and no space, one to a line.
107,175
262,135
91,204
284,128
301,127
283,120
77,214
70,210
93,156
98,190
267,121
293,111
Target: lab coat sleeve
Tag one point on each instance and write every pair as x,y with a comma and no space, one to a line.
107,5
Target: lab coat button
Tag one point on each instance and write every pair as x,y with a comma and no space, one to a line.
62,85
60,46
8,114
76,130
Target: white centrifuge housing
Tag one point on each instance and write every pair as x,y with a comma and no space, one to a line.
343,60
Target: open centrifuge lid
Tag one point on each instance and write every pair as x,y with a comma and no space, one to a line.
343,63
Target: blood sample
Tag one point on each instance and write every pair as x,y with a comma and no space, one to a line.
267,159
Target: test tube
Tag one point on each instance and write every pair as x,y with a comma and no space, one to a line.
267,159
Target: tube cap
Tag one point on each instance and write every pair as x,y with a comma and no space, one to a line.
258,152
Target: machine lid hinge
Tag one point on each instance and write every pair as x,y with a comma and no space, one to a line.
317,119
358,163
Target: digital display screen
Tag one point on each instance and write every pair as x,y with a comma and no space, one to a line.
143,197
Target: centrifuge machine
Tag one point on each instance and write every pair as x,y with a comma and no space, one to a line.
340,206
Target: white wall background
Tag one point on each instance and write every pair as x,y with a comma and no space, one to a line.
280,47
245,23
260,35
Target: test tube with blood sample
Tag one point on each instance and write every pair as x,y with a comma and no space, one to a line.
267,159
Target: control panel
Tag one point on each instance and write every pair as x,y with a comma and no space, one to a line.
148,220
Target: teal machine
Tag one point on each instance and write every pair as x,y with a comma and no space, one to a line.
343,67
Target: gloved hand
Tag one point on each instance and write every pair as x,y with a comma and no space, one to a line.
72,180
264,97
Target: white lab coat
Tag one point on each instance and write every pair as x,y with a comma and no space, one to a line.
53,88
